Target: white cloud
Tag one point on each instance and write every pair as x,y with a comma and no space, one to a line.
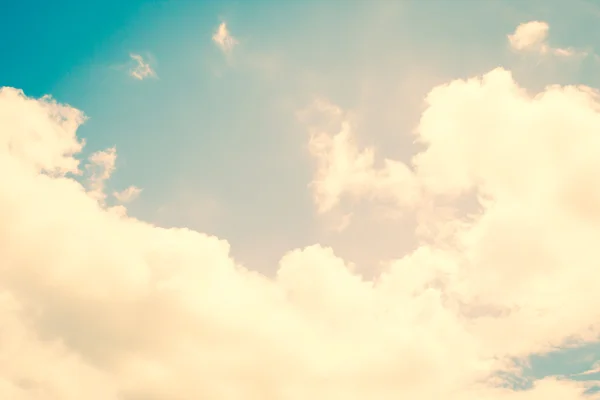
595,369
530,36
533,37
128,195
98,305
532,168
223,39
100,167
342,168
142,69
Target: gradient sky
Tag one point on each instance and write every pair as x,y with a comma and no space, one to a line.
208,129
214,139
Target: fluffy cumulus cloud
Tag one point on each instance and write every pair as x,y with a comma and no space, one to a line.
98,305
223,39
141,69
533,37
520,267
343,168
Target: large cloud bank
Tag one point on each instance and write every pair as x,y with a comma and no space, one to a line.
97,305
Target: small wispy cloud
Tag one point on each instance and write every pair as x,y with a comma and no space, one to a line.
595,369
533,37
223,39
128,195
142,69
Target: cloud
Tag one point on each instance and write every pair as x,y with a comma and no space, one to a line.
100,167
98,305
595,369
342,168
142,69
128,195
223,39
532,170
533,37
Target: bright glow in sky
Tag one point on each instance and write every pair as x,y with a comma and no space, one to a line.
379,200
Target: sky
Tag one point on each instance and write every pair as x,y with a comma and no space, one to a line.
290,200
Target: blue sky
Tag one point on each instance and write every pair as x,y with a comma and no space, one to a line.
214,140
196,131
